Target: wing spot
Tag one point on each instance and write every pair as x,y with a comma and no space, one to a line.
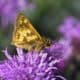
25,20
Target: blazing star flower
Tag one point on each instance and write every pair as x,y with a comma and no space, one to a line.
30,66
10,8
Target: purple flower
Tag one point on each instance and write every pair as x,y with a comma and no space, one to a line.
70,28
61,49
10,8
30,66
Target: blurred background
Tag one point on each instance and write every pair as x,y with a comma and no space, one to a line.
45,15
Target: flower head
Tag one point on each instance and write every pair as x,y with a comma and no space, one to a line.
71,32
70,28
61,49
10,8
30,66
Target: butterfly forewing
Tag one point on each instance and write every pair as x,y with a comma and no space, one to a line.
24,34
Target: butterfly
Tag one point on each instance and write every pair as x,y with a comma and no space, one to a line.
26,36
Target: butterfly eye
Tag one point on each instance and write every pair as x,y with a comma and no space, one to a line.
48,42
